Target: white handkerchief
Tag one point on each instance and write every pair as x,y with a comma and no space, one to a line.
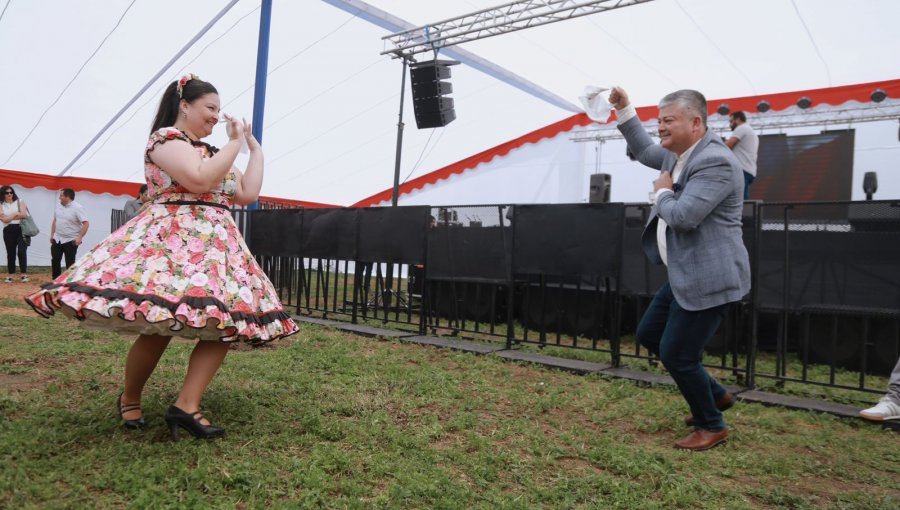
244,148
595,104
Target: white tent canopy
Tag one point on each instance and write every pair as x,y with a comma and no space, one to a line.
332,100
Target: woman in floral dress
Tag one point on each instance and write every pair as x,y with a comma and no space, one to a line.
180,267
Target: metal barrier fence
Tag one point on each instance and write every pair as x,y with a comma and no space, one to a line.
116,219
829,290
825,303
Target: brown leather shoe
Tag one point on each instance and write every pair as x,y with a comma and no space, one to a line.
701,439
723,404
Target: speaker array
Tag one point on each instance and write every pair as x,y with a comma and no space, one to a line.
429,91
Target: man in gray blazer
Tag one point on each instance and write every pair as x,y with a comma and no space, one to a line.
695,230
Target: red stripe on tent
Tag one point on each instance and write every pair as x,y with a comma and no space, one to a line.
99,186
832,96
96,186
781,101
550,131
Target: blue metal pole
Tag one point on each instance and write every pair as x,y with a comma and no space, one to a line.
262,67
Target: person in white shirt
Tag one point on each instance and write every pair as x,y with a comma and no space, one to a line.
745,144
67,231
12,211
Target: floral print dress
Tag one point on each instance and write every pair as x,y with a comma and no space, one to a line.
173,270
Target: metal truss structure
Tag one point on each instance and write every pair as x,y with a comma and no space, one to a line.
847,114
494,21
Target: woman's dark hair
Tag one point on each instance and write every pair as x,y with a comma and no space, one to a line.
3,193
167,113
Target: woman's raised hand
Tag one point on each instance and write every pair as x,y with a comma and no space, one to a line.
233,127
252,142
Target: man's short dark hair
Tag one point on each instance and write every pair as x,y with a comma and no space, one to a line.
68,192
143,189
739,115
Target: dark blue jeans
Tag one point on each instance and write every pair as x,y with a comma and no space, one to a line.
678,336
748,180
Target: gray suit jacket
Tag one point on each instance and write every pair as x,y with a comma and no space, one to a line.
132,207
707,261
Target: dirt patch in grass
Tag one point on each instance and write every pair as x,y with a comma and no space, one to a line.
568,464
18,289
13,295
817,490
447,441
18,312
22,382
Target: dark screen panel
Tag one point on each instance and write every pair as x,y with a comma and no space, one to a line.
804,168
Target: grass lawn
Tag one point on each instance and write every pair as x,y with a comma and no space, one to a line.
326,419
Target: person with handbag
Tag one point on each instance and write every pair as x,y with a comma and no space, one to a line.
14,210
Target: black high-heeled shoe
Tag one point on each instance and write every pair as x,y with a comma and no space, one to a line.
190,422
130,424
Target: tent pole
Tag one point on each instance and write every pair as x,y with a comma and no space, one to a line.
262,66
396,193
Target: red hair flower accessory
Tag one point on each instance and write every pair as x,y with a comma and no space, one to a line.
183,81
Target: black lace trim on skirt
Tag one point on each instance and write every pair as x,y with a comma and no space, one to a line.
193,302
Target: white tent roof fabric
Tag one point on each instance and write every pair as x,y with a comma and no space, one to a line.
332,100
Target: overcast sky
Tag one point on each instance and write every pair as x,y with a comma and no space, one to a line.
332,100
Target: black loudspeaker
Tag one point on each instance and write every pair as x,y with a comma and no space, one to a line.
432,107
600,184
870,184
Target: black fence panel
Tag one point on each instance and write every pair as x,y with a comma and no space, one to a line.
274,232
467,271
819,255
393,234
829,290
477,250
329,233
116,219
568,239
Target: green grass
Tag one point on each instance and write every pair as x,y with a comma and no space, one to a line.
331,420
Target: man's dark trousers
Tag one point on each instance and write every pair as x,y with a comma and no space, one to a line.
57,250
678,337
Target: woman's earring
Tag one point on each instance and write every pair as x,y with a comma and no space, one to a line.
183,114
